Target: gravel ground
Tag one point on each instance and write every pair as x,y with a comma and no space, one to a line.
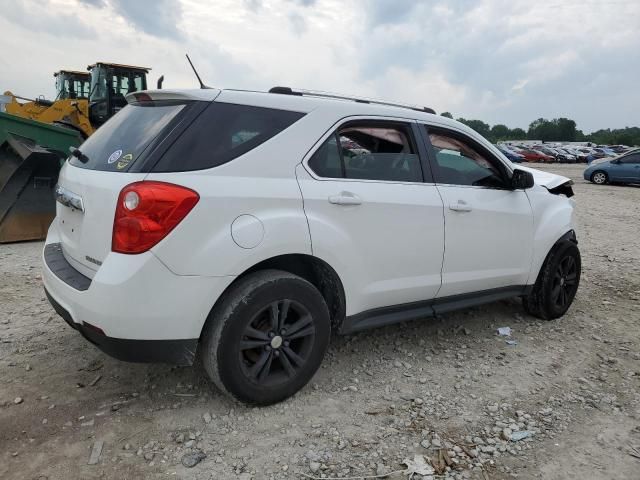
449,392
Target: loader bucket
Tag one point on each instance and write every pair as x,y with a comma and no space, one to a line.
28,174
30,157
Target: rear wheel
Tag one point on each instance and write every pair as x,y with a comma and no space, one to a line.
557,283
599,177
267,337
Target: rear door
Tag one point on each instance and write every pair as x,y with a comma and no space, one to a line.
629,168
488,226
374,212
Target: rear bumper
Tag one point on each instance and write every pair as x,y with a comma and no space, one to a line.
134,308
178,352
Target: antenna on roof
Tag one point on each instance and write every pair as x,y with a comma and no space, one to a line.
202,85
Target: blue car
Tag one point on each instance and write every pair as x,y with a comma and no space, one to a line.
511,155
623,169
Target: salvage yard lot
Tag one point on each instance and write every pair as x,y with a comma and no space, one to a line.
449,389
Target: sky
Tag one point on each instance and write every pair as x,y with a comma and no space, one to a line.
501,61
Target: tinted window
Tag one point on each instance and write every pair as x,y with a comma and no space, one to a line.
117,144
327,162
221,133
369,151
460,162
631,158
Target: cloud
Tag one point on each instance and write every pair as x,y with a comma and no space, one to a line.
298,23
385,12
502,61
22,16
157,17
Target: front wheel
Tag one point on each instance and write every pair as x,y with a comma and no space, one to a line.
557,283
267,337
599,178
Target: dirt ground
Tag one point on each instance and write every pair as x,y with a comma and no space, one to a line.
449,390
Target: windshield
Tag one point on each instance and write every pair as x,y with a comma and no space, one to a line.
119,142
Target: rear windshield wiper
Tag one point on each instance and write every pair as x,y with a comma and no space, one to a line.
78,154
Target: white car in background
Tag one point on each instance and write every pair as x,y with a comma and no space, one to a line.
235,225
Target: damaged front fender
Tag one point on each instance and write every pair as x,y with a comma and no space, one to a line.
556,184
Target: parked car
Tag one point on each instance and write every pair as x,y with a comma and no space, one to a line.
569,157
510,154
579,154
608,152
560,155
622,169
618,148
599,153
548,152
531,155
230,223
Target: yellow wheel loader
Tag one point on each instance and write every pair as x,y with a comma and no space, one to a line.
35,137
70,108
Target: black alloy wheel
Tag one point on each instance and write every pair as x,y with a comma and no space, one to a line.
565,282
557,283
277,342
266,337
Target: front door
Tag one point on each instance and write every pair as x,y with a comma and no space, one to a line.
371,214
629,167
488,226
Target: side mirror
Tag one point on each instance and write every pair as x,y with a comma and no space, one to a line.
521,180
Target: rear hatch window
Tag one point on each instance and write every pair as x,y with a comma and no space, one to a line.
120,142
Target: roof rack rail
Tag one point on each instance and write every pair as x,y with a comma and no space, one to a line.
335,96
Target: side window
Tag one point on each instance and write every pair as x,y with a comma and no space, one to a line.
327,162
631,159
223,132
460,162
369,151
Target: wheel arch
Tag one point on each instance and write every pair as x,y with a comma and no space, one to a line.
568,236
316,271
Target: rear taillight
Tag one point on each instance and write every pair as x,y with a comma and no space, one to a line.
146,212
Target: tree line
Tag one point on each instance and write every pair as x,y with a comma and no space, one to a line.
556,130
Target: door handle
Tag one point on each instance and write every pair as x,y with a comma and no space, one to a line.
345,198
461,206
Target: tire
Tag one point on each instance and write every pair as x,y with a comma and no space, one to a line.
599,177
557,283
246,348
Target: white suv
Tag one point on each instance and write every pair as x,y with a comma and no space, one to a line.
246,226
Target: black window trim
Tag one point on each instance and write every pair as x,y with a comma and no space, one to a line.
417,144
170,134
426,128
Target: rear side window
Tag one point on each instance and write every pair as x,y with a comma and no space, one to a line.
222,132
117,144
369,151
